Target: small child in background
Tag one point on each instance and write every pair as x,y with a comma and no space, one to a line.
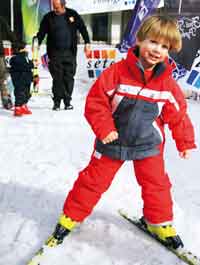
21,73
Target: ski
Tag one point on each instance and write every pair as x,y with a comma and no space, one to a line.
183,254
36,259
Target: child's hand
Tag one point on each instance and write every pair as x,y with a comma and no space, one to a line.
185,154
36,63
112,136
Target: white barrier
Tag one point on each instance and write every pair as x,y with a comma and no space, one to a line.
101,57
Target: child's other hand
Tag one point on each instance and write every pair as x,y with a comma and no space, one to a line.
112,136
185,154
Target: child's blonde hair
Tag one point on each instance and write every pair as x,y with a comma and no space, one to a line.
161,27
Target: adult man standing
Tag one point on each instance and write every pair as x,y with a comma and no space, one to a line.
5,34
61,26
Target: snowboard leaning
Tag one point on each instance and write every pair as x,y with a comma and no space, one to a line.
187,256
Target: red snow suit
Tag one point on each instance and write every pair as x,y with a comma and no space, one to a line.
123,100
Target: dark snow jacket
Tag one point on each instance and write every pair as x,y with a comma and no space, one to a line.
122,100
74,22
21,69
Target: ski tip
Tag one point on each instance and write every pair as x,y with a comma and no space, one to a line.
122,212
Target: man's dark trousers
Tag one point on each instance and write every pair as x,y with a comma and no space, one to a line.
62,67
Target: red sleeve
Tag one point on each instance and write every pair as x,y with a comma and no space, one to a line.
175,115
98,111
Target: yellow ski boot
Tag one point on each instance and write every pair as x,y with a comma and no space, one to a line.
165,233
63,228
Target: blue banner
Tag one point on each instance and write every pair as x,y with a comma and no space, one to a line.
142,9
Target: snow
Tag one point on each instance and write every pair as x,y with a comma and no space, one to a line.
41,155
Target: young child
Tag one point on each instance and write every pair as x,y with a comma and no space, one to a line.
127,108
21,75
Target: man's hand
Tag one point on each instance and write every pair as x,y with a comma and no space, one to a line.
112,136
87,49
185,154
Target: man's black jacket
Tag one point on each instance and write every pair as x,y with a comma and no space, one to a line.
73,21
5,34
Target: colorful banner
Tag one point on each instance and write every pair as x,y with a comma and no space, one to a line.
189,27
142,9
193,77
32,13
99,60
187,71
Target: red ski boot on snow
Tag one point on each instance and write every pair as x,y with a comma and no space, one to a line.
25,109
21,110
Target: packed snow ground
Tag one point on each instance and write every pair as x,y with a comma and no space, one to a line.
41,155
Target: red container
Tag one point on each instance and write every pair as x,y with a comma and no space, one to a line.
7,48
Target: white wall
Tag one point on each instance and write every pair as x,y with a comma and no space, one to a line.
116,27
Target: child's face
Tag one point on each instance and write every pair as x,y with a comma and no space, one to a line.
152,51
23,50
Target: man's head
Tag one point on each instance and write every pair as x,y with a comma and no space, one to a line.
58,6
